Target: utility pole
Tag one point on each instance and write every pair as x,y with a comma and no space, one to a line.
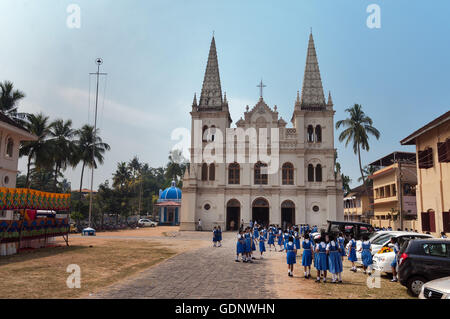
99,62
400,193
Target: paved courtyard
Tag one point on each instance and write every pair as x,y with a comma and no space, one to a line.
206,272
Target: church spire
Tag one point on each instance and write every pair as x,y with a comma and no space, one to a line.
211,96
330,101
312,90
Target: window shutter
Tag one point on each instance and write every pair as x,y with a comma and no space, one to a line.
444,151
446,221
432,222
425,221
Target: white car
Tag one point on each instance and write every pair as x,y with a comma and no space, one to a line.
385,255
436,289
147,223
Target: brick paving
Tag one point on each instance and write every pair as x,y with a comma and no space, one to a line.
202,273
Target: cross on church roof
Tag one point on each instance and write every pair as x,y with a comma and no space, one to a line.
261,86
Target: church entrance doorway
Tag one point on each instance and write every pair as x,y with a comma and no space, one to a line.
233,215
260,211
287,214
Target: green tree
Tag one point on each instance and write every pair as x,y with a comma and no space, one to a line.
9,99
368,170
357,128
61,139
40,150
86,147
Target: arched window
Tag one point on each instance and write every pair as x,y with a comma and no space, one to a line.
318,173
310,173
204,172
204,133
9,147
318,134
288,174
261,176
212,132
233,173
212,172
310,133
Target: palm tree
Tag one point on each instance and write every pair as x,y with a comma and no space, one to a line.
357,129
368,170
121,178
39,150
86,147
9,99
62,135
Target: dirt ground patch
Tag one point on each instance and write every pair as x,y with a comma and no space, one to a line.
354,284
104,259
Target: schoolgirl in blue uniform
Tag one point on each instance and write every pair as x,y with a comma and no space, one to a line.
285,238
291,254
271,240
248,245
341,242
322,261
297,238
396,249
352,252
253,238
366,254
334,260
219,236
307,255
280,239
262,246
240,246
215,236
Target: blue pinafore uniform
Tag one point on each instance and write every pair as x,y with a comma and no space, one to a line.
307,253
322,260
352,251
297,240
286,239
262,246
396,249
341,242
334,258
240,245
290,253
366,254
280,238
215,235
271,237
248,243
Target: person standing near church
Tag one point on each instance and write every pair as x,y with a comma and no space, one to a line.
271,240
215,236
297,239
262,246
219,235
341,243
280,239
240,246
366,254
291,254
199,225
307,255
248,245
322,260
334,260
352,252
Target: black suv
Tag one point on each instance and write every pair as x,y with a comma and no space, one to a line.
422,260
356,228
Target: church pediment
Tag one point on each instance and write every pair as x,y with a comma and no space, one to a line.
259,112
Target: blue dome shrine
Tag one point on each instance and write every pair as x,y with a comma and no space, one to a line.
169,205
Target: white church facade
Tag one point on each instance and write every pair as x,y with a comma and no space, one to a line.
304,189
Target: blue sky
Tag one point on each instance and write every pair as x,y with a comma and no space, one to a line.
155,53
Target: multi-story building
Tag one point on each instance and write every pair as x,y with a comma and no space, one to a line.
433,174
394,191
358,205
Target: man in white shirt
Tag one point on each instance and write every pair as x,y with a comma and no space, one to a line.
199,227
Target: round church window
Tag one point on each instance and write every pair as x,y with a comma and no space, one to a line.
207,207
316,208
